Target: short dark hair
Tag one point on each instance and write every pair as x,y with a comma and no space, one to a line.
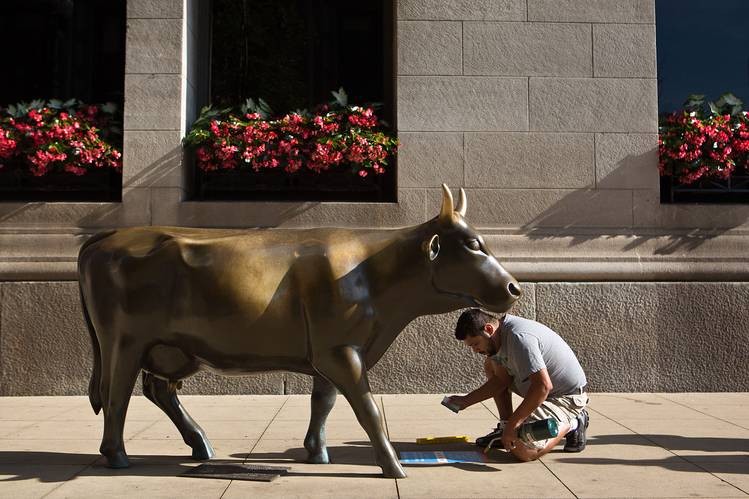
472,322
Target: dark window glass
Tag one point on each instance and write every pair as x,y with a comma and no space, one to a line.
292,54
63,49
703,48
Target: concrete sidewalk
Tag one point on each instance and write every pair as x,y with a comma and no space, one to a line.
640,445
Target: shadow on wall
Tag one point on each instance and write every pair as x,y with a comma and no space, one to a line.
626,202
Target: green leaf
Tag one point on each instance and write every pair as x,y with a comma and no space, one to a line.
731,99
69,103
714,108
109,108
694,100
340,97
13,110
55,104
36,104
265,110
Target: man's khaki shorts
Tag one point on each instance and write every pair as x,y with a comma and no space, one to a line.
564,409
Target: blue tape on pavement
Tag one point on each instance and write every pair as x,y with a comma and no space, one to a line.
440,457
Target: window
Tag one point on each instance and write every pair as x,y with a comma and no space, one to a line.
292,54
62,50
703,48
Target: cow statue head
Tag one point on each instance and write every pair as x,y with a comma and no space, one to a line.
462,267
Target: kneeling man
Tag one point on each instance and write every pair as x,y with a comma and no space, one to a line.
528,358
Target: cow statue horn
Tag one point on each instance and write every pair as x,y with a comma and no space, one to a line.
462,203
446,213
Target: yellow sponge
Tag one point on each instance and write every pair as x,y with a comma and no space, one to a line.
442,440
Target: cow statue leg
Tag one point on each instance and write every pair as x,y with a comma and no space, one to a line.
322,401
345,368
164,395
119,366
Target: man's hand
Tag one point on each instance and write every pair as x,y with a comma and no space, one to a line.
510,436
458,400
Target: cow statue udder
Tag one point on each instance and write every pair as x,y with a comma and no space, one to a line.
168,301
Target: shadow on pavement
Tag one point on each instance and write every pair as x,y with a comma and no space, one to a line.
717,454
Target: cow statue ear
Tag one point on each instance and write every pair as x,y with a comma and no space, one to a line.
433,247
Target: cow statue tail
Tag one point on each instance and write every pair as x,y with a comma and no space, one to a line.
94,385
94,391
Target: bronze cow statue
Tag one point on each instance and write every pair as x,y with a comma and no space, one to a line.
168,301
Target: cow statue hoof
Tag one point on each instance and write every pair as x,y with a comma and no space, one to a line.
117,459
203,452
318,457
393,470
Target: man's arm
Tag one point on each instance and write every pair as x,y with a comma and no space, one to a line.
539,389
496,385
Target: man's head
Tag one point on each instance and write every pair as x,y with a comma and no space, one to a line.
476,328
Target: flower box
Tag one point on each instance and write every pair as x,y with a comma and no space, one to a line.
704,156
336,152
55,151
17,185
344,186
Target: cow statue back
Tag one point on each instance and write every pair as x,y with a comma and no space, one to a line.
167,302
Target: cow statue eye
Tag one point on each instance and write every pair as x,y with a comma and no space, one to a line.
473,244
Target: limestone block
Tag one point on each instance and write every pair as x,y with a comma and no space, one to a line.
430,159
462,104
626,161
167,210
45,347
529,160
429,48
596,11
625,50
527,49
683,337
533,209
152,102
154,46
480,10
206,382
152,158
133,210
649,212
154,9
593,105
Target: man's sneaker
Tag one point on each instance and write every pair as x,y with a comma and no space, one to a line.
495,434
576,439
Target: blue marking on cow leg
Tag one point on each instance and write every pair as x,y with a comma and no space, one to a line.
322,401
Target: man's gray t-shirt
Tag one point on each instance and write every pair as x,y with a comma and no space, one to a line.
527,346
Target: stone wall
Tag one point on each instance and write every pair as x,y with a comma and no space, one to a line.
629,336
545,111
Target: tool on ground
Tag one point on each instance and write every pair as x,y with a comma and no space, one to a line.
442,440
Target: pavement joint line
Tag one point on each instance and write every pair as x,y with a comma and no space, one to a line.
702,412
244,461
559,479
72,476
687,461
